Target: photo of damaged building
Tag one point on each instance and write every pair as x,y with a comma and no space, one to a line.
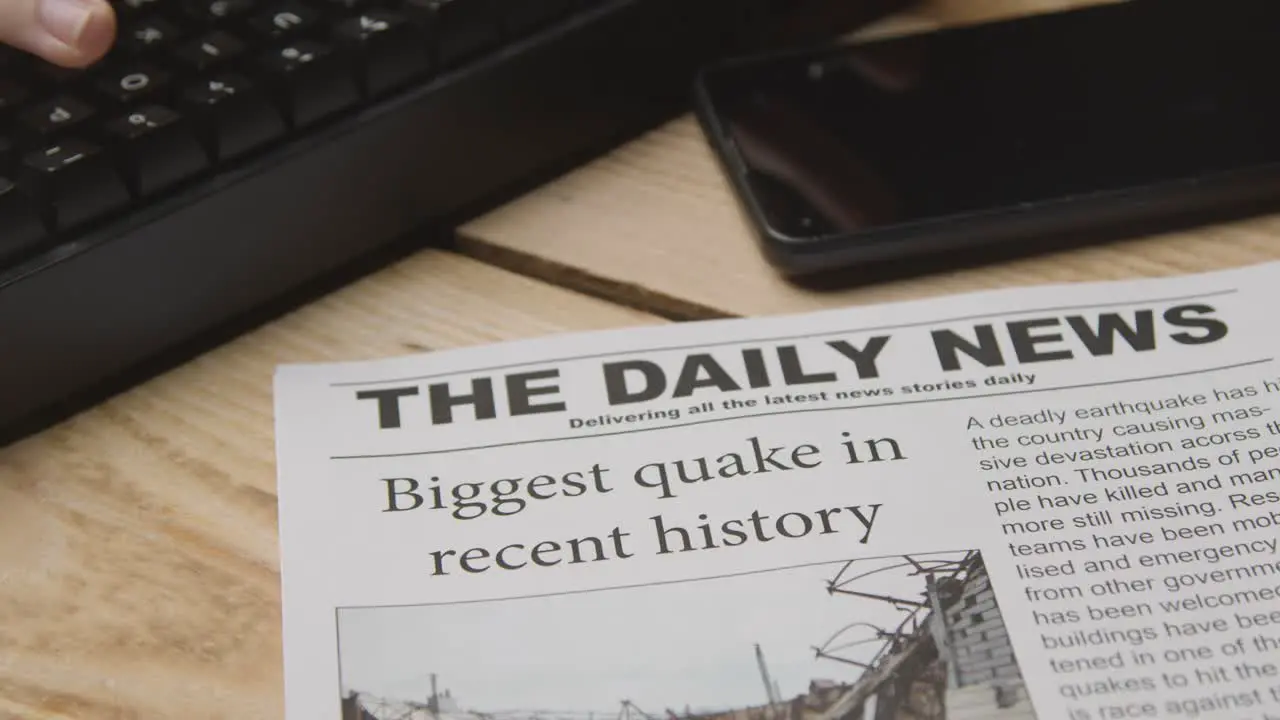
946,656
949,659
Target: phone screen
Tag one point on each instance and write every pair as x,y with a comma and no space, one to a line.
989,117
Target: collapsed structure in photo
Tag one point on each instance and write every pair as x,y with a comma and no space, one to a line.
950,658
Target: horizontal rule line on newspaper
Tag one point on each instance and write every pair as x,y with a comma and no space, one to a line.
795,410
837,561
784,338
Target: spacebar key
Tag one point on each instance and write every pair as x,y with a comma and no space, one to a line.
77,178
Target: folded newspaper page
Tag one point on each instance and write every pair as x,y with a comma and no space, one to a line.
1057,503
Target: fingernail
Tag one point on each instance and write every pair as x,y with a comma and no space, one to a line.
65,19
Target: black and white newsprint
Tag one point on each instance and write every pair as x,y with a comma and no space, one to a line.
1057,503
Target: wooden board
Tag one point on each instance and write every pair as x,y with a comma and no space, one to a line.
655,225
138,547
933,14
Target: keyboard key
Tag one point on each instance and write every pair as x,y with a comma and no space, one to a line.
76,178
459,29
283,20
131,82
233,114
9,56
149,35
210,50
56,115
216,10
157,147
56,75
311,80
20,224
345,7
132,7
389,49
12,94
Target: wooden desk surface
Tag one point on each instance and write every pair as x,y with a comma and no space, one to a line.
138,573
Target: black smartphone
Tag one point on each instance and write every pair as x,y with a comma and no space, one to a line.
1145,114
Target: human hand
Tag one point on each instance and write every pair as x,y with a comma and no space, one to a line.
70,33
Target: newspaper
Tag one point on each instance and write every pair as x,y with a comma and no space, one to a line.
1056,503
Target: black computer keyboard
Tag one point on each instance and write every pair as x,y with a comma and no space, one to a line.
228,152
193,85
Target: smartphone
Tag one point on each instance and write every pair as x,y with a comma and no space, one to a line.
1127,116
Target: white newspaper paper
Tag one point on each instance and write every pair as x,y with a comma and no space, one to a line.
1056,503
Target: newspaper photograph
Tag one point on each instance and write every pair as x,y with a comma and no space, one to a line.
1052,503
772,645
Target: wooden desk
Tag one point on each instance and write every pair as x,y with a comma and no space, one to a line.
138,573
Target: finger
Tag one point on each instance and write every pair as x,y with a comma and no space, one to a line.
71,33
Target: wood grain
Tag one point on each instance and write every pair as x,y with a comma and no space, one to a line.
934,14
654,225
138,572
